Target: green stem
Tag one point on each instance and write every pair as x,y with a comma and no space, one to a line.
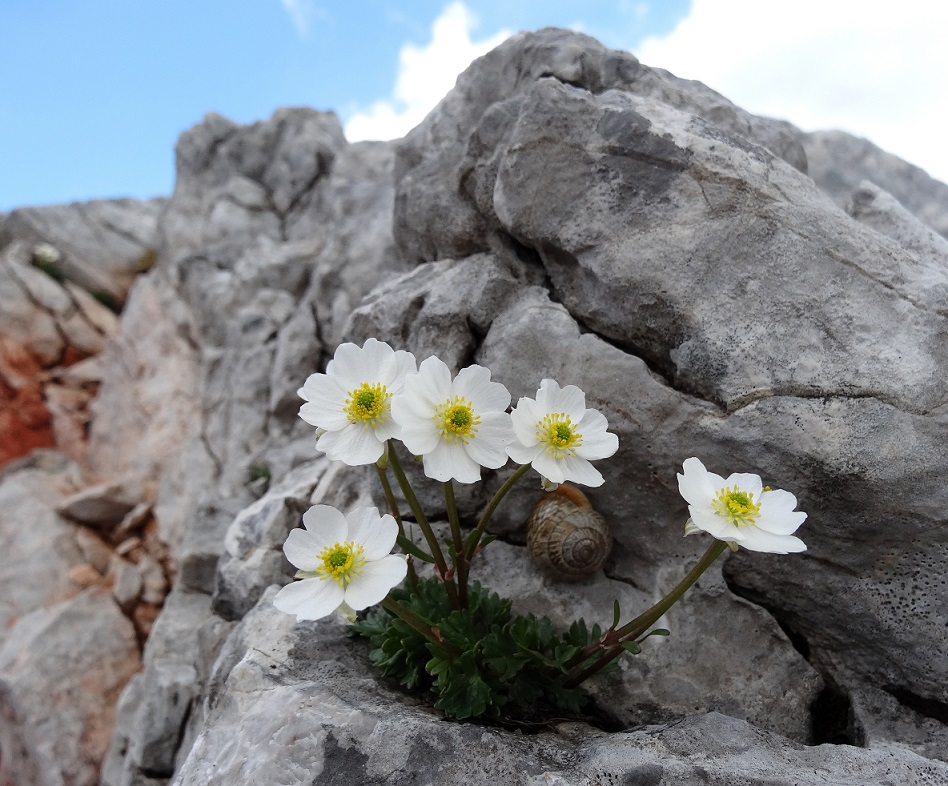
433,546
640,625
419,624
393,509
478,531
460,560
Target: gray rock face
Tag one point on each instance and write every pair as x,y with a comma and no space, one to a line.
440,161
156,705
565,212
839,162
104,244
55,732
711,301
37,558
309,690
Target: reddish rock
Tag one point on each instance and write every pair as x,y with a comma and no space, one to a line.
25,421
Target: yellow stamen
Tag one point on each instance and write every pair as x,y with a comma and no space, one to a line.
368,404
456,420
559,435
737,506
340,562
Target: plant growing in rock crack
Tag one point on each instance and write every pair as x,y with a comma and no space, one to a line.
445,633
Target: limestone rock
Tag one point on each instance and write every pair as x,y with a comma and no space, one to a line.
48,324
237,182
105,504
711,301
565,212
927,250
308,689
441,160
37,558
61,672
103,244
152,713
839,162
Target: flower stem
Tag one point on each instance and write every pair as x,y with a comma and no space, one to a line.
422,520
640,625
460,558
478,531
418,623
393,509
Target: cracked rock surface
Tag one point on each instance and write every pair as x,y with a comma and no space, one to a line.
565,212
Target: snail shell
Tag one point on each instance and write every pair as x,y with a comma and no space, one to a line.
566,536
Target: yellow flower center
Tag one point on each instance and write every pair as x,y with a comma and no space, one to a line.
456,420
368,404
340,562
559,435
737,506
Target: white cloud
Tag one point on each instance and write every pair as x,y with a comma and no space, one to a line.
870,68
425,74
302,13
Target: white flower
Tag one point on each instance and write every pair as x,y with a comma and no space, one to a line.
559,436
458,425
344,562
350,404
739,510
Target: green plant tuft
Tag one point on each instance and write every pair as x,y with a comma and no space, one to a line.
490,663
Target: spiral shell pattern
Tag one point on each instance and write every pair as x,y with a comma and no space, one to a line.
566,536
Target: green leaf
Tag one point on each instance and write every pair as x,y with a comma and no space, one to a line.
657,632
632,646
410,547
615,614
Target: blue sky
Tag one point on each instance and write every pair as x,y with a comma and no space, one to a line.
96,92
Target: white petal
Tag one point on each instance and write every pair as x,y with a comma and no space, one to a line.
578,470
549,467
449,461
569,400
492,455
378,358
375,580
412,404
404,365
758,540
523,454
354,445
546,395
326,524
597,444
488,446
777,512
376,534
716,481
348,367
325,404
524,418
310,599
695,485
388,428
303,547
420,441
433,381
745,481
473,383
705,519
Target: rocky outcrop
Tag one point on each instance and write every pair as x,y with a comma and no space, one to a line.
102,245
569,212
838,162
302,689
64,272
